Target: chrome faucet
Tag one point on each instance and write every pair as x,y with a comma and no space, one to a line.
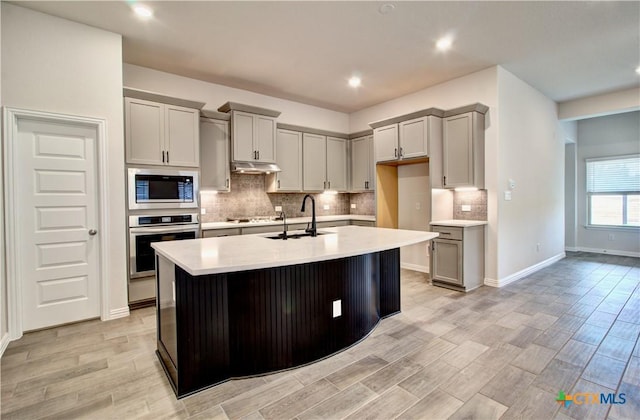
313,231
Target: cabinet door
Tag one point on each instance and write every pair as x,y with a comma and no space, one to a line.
447,261
458,151
242,134
414,138
144,131
289,153
385,141
314,162
265,138
337,164
372,165
182,136
214,155
360,165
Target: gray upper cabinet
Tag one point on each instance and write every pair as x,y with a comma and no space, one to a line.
463,150
289,159
414,138
337,178
386,143
253,137
324,163
314,163
161,134
362,164
214,154
408,139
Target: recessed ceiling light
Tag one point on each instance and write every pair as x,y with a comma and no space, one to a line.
386,8
355,81
444,43
143,11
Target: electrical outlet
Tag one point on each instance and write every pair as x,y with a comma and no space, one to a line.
337,308
326,207
538,247
278,208
418,206
203,211
507,196
353,205
466,207
612,237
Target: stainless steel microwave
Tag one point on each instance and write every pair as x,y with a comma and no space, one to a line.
162,189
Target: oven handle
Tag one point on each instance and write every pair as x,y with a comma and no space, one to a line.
164,229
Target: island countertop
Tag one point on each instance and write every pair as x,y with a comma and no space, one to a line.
249,252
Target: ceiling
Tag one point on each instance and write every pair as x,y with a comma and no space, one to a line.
306,51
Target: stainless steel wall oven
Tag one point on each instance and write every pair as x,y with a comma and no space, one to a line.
146,229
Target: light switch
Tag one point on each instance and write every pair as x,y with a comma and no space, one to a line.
326,207
507,196
278,208
203,211
353,205
337,308
466,207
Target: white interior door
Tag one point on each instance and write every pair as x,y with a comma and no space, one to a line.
56,222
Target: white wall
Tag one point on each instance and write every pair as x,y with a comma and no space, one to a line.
477,87
51,64
627,100
531,150
600,137
216,95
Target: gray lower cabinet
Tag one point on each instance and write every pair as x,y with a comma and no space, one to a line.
457,260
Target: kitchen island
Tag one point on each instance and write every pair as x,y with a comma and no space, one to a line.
247,305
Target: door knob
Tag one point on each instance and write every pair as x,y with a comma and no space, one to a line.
92,232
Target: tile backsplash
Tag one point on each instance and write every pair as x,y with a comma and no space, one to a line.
249,198
476,199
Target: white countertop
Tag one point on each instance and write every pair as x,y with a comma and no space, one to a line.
459,223
249,252
290,221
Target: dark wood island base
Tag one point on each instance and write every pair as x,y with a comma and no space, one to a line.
215,327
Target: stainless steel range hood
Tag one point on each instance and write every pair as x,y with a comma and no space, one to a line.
254,167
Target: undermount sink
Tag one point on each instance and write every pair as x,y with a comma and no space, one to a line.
294,235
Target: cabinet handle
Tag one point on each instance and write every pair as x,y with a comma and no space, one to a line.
395,152
401,152
167,156
226,184
163,156
258,154
278,183
329,182
444,180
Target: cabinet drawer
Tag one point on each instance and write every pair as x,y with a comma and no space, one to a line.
448,232
214,233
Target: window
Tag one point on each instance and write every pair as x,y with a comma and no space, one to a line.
613,191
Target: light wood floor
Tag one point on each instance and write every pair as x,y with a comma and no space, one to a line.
492,353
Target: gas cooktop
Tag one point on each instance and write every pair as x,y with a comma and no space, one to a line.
255,219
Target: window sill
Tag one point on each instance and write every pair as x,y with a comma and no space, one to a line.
617,228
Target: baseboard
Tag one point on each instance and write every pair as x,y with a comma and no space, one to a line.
609,252
523,273
4,342
415,267
571,249
118,313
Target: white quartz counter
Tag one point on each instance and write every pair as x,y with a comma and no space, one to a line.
249,252
459,223
290,221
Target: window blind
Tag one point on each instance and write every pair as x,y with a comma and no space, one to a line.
613,175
